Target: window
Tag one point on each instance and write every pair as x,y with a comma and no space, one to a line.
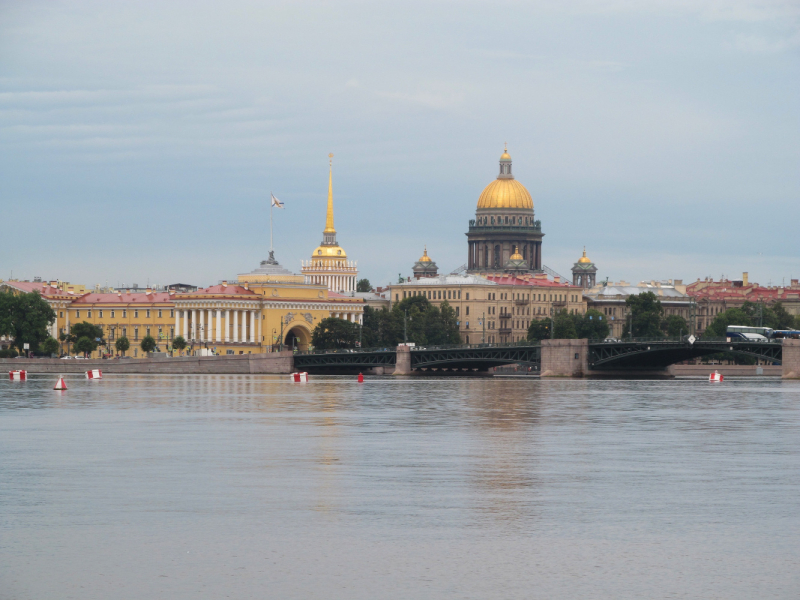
172,333
124,332
467,295
159,314
457,312
440,294
135,333
459,294
77,314
61,314
404,294
112,314
124,314
88,314
172,311
466,312
396,299
136,314
101,314
147,313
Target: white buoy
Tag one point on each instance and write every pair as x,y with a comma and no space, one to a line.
18,375
300,377
94,374
60,384
716,376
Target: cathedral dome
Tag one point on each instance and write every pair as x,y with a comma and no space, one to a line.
584,259
505,191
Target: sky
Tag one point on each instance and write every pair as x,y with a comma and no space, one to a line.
140,142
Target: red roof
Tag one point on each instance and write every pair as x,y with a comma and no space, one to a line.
533,282
125,298
43,288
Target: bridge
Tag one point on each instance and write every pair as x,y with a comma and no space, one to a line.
564,358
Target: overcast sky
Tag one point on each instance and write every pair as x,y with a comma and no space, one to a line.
140,141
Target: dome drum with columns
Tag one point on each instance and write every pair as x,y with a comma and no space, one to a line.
504,225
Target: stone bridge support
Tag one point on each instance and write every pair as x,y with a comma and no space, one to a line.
564,358
791,359
402,365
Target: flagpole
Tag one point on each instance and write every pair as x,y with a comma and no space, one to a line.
270,223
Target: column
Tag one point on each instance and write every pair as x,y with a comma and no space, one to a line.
217,337
235,325
185,324
201,325
244,325
177,322
252,327
228,325
260,335
194,324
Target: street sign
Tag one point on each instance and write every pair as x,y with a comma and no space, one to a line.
692,339
26,346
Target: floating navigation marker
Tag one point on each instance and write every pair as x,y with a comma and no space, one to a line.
94,374
299,377
360,378
18,375
716,376
60,384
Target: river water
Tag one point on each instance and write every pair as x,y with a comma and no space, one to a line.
149,487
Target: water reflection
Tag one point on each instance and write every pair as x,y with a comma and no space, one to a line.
442,487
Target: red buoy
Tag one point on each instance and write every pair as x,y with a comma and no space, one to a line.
60,384
360,378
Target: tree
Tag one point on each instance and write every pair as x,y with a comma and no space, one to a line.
84,345
539,330
674,326
26,318
381,328
363,285
49,346
148,343
733,316
178,343
564,326
332,333
86,329
646,314
593,325
122,345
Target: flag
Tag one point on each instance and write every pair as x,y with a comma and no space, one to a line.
275,201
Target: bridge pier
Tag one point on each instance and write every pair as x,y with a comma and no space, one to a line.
565,358
790,359
402,365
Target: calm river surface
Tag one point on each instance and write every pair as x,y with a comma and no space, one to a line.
150,487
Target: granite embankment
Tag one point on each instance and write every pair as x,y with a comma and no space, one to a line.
273,362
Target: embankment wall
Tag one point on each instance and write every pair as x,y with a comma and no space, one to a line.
271,362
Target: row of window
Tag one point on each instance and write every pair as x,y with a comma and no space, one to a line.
114,314
456,295
148,331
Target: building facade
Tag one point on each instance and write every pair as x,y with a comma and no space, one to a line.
584,272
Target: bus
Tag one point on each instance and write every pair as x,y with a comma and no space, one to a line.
780,334
753,334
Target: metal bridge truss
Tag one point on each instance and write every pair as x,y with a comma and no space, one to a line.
474,358
659,354
345,360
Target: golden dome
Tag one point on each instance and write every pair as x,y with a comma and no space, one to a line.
505,155
584,259
329,252
516,255
425,257
505,193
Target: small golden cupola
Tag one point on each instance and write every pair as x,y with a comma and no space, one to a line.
425,267
584,272
516,262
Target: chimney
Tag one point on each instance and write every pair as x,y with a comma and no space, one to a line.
148,291
246,285
795,282
744,278
224,284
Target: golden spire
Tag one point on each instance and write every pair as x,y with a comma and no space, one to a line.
584,259
329,219
425,257
516,255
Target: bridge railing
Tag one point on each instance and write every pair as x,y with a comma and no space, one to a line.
417,348
684,339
